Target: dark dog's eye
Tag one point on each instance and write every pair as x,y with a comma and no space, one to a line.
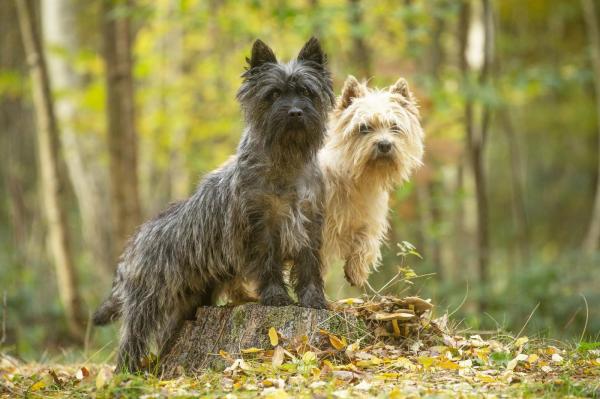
363,128
274,95
305,92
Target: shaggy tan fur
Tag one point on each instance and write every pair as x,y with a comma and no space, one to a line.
359,175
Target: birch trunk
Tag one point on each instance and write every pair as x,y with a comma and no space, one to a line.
81,149
49,153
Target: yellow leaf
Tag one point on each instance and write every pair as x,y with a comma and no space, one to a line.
532,358
103,378
521,341
337,343
426,361
252,350
448,364
225,355
396,394
485,378
309,357
273,337
41,384
404,363
277,394
315,372
374,361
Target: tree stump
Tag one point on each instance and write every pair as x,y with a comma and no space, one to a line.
233,328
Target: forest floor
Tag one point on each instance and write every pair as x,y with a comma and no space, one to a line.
410,356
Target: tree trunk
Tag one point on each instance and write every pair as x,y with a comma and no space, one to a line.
122,136
476,138
231,329
81,150
592,239
16,136
49,158
518,186
361,55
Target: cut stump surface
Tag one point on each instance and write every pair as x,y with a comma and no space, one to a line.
232,329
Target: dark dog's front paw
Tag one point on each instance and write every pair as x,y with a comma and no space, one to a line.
276,300
313,298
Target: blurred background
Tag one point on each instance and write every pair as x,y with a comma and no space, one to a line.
143,96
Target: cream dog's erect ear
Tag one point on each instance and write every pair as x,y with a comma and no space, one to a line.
352,89
401,87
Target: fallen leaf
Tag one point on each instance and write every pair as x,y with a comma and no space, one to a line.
41,384
532,358
363,386
404,363
425,361
521,341
252,350
556,358
82,373
337,343
344,375
273,336
448,365
103,378
309,357
277,359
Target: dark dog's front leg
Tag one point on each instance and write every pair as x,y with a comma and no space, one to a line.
308,279
272,288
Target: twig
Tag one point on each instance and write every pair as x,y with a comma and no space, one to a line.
462,302
87,336
587,315
527,322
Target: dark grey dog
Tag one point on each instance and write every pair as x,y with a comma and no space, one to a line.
261,209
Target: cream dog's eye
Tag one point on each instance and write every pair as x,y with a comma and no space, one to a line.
364,128
395,128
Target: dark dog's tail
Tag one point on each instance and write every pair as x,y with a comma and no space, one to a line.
109,311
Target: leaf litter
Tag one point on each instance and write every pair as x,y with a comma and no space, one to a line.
405,352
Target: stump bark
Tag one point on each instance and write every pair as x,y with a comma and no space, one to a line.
232,329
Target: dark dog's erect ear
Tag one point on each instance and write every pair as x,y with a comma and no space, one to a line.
261,54
352,89
312,51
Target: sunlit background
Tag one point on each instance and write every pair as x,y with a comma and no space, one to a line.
501,212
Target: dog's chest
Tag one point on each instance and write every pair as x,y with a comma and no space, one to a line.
288,211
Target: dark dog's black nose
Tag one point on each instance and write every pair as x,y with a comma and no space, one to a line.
384,146
295,112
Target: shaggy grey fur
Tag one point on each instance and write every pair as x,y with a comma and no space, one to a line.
260,209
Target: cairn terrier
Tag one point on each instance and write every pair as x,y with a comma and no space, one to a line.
374,142
262,208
